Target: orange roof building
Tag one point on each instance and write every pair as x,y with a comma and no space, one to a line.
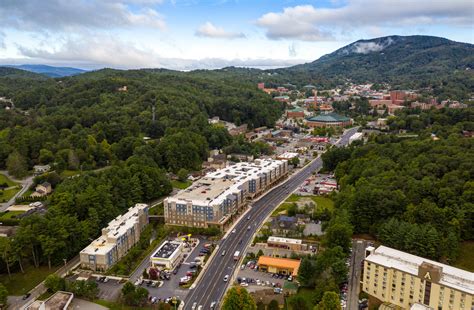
278,265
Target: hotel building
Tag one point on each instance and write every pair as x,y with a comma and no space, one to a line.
116,239
399,279
212,200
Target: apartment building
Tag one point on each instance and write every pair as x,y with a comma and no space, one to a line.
400,279
116,239
212,200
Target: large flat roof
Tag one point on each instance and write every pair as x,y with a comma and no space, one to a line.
216,186
284,240
280,263
116,228
456,278
166,250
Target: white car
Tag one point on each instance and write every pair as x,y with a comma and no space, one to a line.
242,267
244,284
194,306
226,278
233,231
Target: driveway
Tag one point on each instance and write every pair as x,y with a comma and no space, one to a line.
25,183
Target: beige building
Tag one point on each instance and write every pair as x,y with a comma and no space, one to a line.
168,255
116,239
213,199
408,281
286,243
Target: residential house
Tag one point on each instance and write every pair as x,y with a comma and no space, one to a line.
42,189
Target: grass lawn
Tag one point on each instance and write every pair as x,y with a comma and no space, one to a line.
115,305
466,256
5,179
180,185
307,294
10,214
323,203
69,173
8,194
20,283
157,210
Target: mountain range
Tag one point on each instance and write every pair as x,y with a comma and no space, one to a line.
49,71
392,59
402,61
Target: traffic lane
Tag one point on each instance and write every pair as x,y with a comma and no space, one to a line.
277,193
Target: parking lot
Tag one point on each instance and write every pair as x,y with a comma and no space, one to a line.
166,288
258,280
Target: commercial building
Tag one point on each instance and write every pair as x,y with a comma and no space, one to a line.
329,120
296,112
58,301
167,256
286,243
212,200
116,239
401,279
287,155
278,265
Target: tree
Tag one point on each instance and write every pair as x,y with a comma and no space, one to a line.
16,165
273,305
306,273
3,296
134,296
294,161
6,252
54,283
330,301
238,298
297,302
260,305
182,175
46,156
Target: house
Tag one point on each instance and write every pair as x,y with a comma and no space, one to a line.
296,112
40,169
283,224
42,189
238,130
216,161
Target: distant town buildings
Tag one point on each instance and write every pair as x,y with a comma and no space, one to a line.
404,280
212,200
296,112
117,238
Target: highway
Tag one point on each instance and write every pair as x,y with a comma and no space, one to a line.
211,286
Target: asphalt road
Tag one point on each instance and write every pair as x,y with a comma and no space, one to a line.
211,286
358,251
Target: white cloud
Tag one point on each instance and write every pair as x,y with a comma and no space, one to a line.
96,52
208,30
59,15
308,23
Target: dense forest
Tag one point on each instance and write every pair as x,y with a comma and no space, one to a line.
85,123
414,194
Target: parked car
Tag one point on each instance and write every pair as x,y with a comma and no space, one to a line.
26,296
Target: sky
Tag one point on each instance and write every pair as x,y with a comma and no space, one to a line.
208,34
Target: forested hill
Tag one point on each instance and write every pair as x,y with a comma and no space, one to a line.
403,61
13,73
